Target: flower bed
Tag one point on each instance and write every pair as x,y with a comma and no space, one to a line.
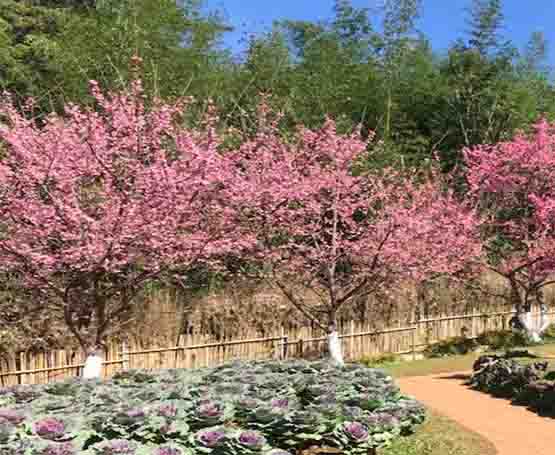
528,385
503,377
272,408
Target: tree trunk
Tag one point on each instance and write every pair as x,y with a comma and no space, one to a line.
524,313
526,319
534,331
93,364
334,345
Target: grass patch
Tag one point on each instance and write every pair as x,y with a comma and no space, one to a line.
441,436
425,367
380,361
545,350
452,364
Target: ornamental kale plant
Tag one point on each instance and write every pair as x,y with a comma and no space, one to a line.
504,378
50,428
282,408
530,385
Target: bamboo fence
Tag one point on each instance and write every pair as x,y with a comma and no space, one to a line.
359,339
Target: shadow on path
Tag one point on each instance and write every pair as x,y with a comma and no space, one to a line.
457,376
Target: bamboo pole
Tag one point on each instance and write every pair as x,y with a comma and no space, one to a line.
207,345
413,343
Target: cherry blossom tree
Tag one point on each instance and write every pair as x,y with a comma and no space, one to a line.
512,184
328,234
96,202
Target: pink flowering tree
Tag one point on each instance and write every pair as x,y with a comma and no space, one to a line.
327,234
97,202
512,184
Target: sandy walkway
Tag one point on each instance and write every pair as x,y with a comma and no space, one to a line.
512,429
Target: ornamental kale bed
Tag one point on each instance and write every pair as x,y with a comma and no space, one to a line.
504,377
530,385
271,408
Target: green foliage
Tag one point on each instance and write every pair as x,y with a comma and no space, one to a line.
51,52
503,377
549,334
504,339
239,408
379,361
535,53
494,340
387,78
451,346
485,22
417,101
176,43
27,45
526,385
539,396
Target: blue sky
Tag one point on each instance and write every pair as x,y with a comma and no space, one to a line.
443,20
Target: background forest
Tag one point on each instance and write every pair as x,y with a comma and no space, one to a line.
367,66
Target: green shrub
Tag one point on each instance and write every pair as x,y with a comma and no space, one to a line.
493,339
503,339
549,334
379,360
451,346
527,385
539,396
502,377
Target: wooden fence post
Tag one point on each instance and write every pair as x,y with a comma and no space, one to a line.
352,343
413,343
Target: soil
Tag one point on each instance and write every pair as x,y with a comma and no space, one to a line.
513,430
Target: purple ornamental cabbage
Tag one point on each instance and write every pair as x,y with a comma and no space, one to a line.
50,428
135,413
117,447
60,449
252,439
210,410
11,416
356,431
281,403
167,451
210,438
167,410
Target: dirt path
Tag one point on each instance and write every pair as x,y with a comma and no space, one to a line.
512,429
